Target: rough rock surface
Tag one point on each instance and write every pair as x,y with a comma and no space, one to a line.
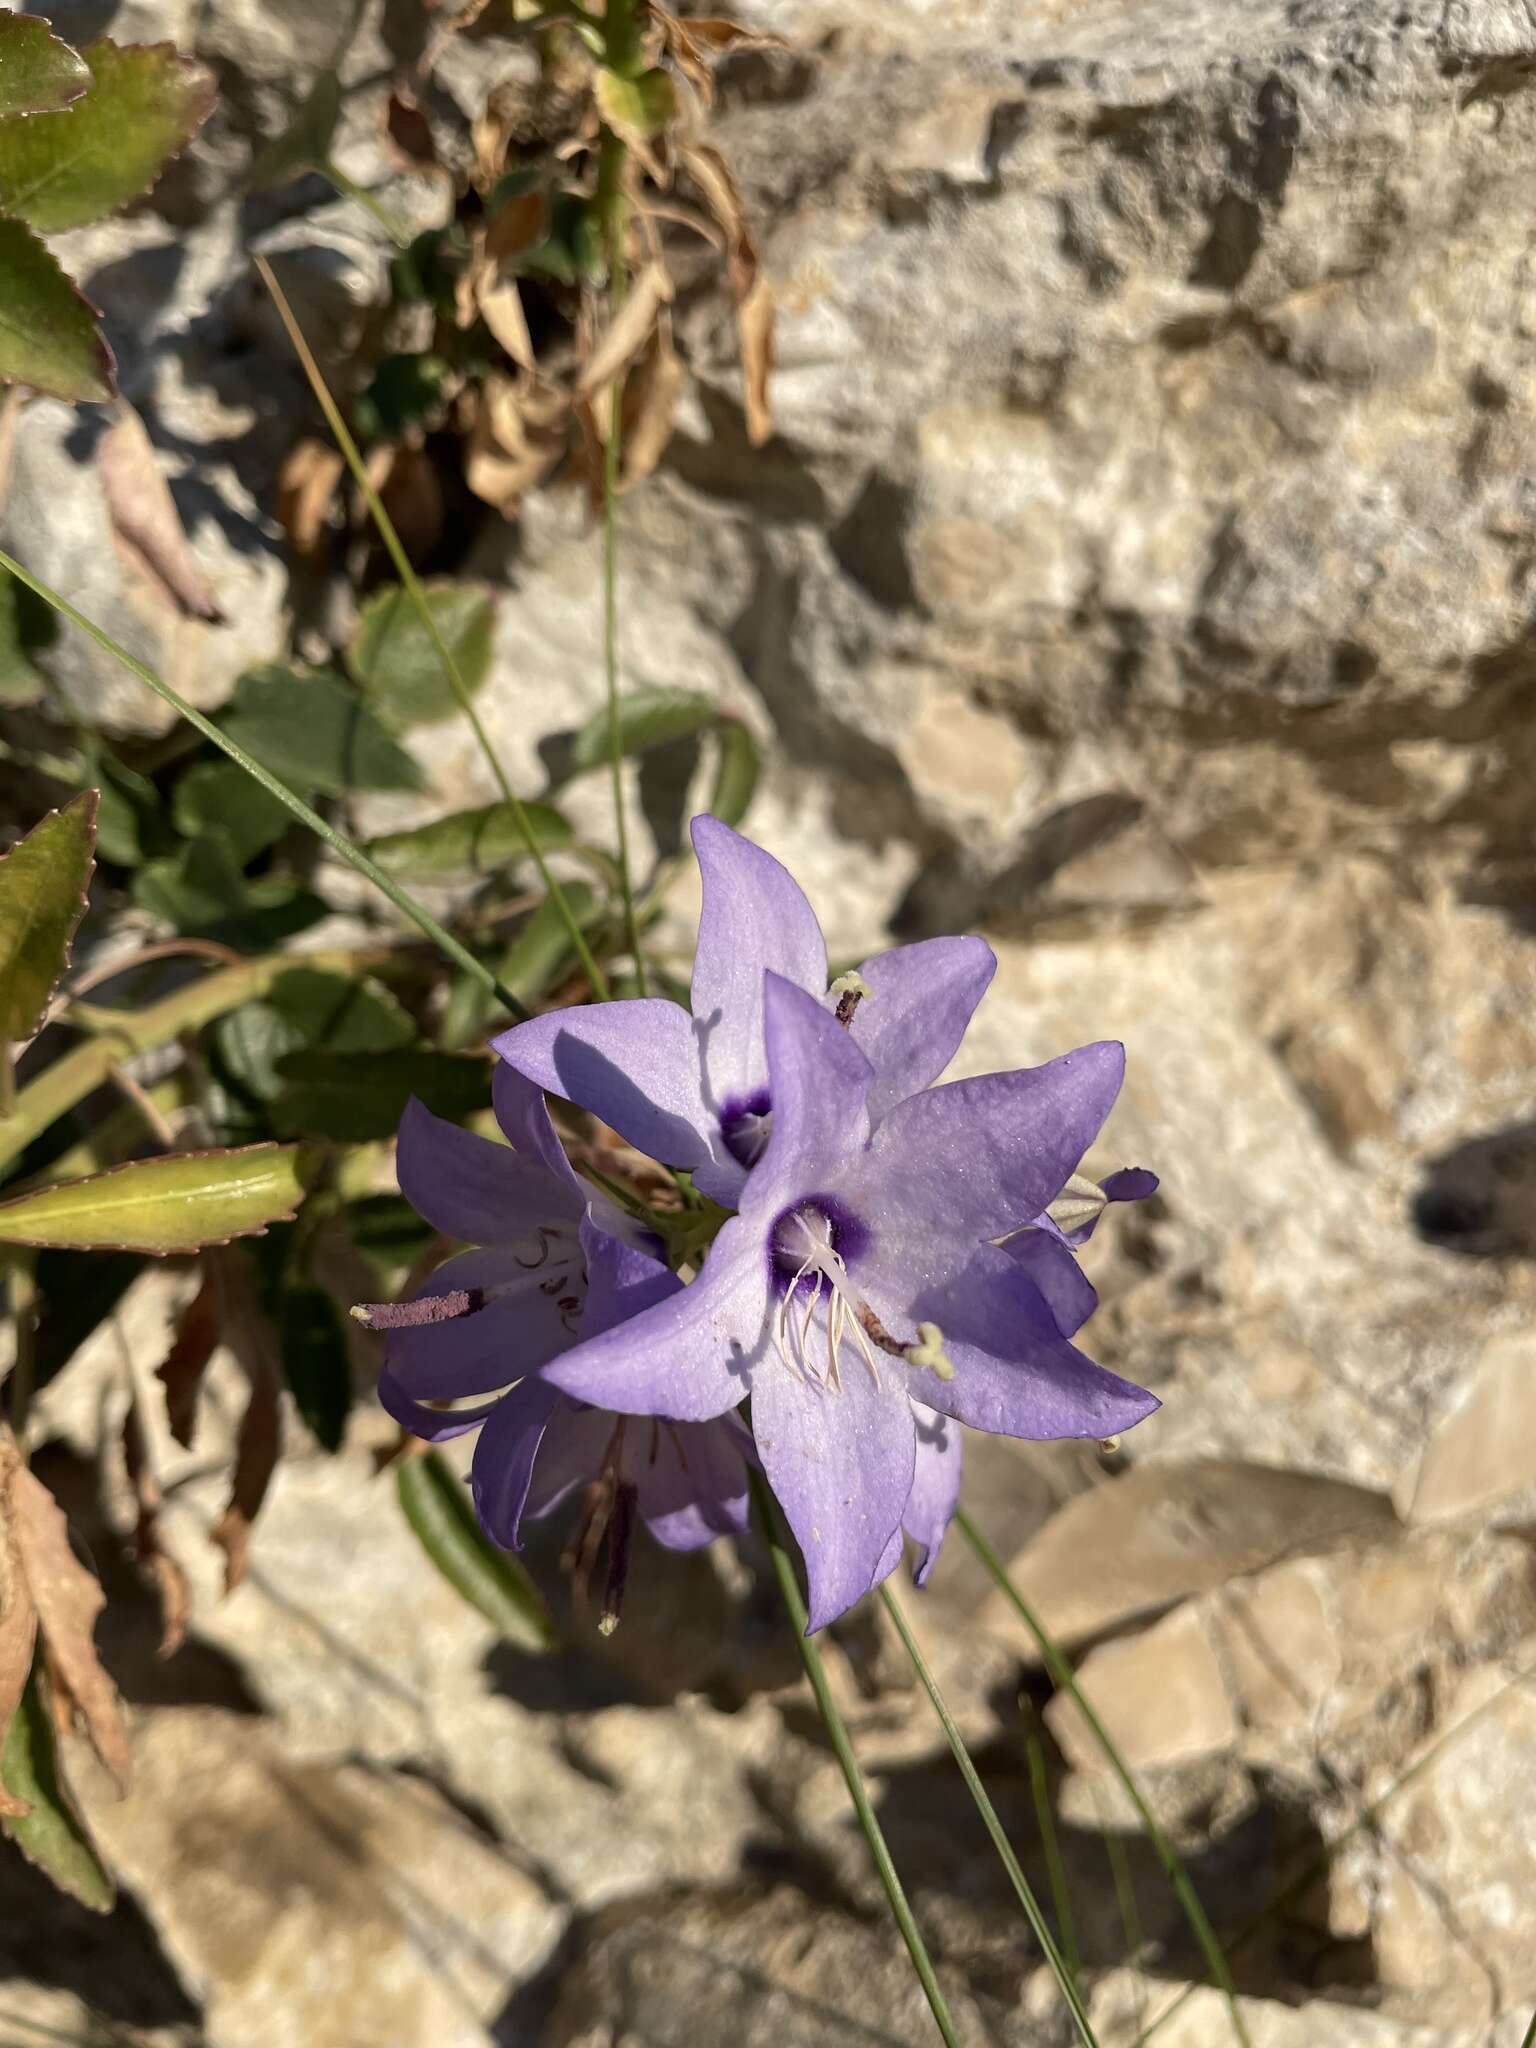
1141,574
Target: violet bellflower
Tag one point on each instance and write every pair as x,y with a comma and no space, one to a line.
556,1262
894,1268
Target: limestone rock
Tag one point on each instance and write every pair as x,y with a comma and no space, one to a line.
1485,1449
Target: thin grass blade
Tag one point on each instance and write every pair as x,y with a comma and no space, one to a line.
337,841
837,1732
412,585
1024,1892
1045,1820
1062,1673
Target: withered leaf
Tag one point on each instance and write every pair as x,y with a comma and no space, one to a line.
155,1561
196,1340
306,489
711,175
754,325
650,404
519,436
409,132
690,44
67,1600
18,1628
144,518
628,331
255,1462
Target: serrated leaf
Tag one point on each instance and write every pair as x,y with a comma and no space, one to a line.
351,1097
62,170
315,1361
469,843
738,768
437,1507
635,108
394,658
39,73
305,144
315,733
647,718
49,335
218,796
43,883
178,1203
541,950
51,1834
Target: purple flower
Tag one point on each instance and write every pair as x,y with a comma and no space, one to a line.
695,1092
557,1262
863,1279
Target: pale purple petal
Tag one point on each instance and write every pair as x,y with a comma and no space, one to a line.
571,1454
691,1479
819,1082
1015,1374
503,1465
621,1280
972,1160
634,1064
433,1425
1061,1280
690,1356
890,1558
935,1486
524,1116
840,1462
755,919
921,998
466,1187
518,1329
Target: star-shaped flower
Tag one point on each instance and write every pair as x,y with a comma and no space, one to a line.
867,1272
556,1262
694,1091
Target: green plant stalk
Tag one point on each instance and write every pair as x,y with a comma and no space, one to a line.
1064,1974
1056,1870
361,196
1125,1891
24,1370
412,585
815,1671
622,54
1063,1675
338,842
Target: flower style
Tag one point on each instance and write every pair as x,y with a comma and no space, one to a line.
557,1262
695,1092
883,1263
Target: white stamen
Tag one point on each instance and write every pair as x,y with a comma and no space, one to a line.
792,1337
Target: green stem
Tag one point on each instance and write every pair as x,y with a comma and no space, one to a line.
354,856
1023,1890
24,1371
622,55
361,196
1045,1820
418,597
815,1671
1061,1672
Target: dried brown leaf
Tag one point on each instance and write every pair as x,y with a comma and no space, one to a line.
18,1620
306,490
155,1561
196,1340
144,518
67,1600
628,332
754,325
412,494
408,132
255,1461
519,436
650,405
711,175
692,43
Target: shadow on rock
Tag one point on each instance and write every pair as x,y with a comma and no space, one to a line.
1480,1198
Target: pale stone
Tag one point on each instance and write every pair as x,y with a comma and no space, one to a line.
1281,1644
1161,1697
1485,1448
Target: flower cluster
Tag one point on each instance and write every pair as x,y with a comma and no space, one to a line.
894,1258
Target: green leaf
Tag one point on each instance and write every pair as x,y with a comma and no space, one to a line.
49,337
305,144
469,843
402,392
218,796
393,657
541,950
315,1360
636,108
351,1097
21,680
38,73
202,893
43,880
437,1507
177,1203
306,1008
737,769
647,718
76,1292
389,1234
52,1835
315,733
63,170
131,821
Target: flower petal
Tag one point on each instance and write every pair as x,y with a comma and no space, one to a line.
690,1356
469,1188
971,1160
621,1280
1048,1261
518,1329
504,1459
921,998
692,1480
935,1486
634,1064
432,1425
1015,1374
819,1081
840,1462
755,918
524,1117
574,1445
